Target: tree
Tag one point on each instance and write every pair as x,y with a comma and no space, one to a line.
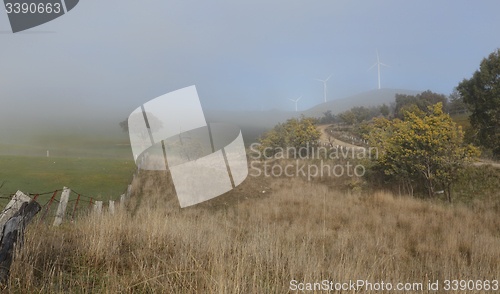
185,148
136,121
422,147
362,130
294,132
482,94
328,117
348,117
384,110
124,125
361,113
135,125
457,104
422,101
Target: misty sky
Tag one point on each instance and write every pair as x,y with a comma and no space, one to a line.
110,56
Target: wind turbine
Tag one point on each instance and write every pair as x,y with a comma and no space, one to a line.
324,82
296,102
378,64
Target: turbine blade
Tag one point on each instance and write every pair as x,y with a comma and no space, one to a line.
384,64
292,100
329,78
372,66
377,54
320,80
299,98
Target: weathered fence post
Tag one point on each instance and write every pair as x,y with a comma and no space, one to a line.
62,206
122,200
98,207
12,207
128,191
111,207
13,220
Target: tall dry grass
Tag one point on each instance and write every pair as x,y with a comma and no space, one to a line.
257,244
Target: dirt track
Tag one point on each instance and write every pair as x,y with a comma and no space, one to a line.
497,165
324,138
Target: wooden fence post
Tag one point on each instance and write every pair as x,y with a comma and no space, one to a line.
61,209
12,229
122,200
98,207
111,207
12,207
128,191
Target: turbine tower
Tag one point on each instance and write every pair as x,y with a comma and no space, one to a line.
378,64
296,102
324,82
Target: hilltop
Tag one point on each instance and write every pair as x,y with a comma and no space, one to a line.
370,98
254,123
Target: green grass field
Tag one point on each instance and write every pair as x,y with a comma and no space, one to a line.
102,179
118,151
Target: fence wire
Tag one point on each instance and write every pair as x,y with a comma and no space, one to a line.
83,203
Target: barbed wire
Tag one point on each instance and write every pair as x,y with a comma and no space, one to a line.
44,193
46,207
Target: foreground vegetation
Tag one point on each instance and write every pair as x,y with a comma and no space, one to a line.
247,241
423,149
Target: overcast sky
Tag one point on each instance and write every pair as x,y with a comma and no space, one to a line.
110,56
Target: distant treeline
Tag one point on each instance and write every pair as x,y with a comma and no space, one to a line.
453,104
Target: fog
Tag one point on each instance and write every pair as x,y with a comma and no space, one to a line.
83,73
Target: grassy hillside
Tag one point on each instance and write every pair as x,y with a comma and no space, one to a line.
247,241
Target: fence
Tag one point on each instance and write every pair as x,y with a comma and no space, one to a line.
69,196
23,207
13,220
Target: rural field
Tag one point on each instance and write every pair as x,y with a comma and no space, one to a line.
259,237
271,234
100,178
275,232
245,147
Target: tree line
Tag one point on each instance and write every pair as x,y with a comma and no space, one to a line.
421,147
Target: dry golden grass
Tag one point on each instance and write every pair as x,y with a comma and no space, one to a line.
257,243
